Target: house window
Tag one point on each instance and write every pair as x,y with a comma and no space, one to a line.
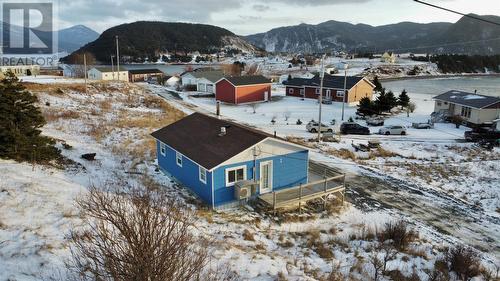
317,91
302,92
163,149
340,94
290,91
466,111
203,174
235,174
438,103
178,159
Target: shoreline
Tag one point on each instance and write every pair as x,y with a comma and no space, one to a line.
439,76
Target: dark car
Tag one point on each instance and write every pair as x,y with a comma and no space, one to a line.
482,135
354,129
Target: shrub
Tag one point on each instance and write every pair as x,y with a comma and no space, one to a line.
248,236
399,233
464,261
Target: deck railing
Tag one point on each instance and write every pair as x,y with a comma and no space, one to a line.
296,196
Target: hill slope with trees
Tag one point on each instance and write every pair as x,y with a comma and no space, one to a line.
147,40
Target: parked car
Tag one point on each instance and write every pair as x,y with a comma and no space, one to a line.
313,127
393,130
326,101
375,122
353,128
422,125
482,135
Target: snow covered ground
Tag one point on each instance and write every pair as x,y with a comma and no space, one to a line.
37,210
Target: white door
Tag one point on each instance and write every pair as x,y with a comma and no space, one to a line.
266,96
266,176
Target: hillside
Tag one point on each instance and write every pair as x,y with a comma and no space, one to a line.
146,39
400,37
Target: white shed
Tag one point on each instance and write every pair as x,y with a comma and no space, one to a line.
107,74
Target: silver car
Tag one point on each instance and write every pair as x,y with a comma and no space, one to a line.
393,130
313,127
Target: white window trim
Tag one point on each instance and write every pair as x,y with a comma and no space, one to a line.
290,91
244,167
163,149
200,170
178,156
317,91
340,94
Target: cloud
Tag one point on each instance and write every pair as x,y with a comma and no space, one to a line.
105,13
320,2
261,7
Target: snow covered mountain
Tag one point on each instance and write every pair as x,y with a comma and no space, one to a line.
438,37
69,39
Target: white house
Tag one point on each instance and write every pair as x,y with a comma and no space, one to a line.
21,70
107,74
204,80
475,109
388,57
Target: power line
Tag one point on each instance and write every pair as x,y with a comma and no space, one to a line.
458,13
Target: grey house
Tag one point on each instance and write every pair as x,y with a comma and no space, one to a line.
474,108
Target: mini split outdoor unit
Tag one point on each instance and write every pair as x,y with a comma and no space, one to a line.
245,189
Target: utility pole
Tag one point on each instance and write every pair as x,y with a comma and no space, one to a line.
322,76
112,67
345,89
85,70
117,58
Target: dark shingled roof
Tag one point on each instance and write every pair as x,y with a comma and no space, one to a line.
468,99
330,81
248,80
144,71
197,137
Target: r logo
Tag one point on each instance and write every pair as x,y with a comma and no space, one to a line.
27,28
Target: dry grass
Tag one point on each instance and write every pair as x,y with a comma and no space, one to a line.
342,153
381,152
55,88
52,115
248,236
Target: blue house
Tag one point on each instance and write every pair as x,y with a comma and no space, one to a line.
209,156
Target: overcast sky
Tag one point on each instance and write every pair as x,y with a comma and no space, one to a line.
245,17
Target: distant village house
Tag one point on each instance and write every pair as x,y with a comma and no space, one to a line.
475,109
243,89
333,88
107,74
142,75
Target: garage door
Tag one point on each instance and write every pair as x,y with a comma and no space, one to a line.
202,87
210,88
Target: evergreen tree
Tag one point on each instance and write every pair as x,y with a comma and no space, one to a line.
366,107
385,101
378,85
392,101
404,99
20,123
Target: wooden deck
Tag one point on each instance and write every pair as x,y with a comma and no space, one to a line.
296,197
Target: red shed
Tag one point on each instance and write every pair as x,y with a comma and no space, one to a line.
243,89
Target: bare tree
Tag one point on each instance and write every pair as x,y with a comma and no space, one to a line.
388,254
136,233
76,62
377,264
410,108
